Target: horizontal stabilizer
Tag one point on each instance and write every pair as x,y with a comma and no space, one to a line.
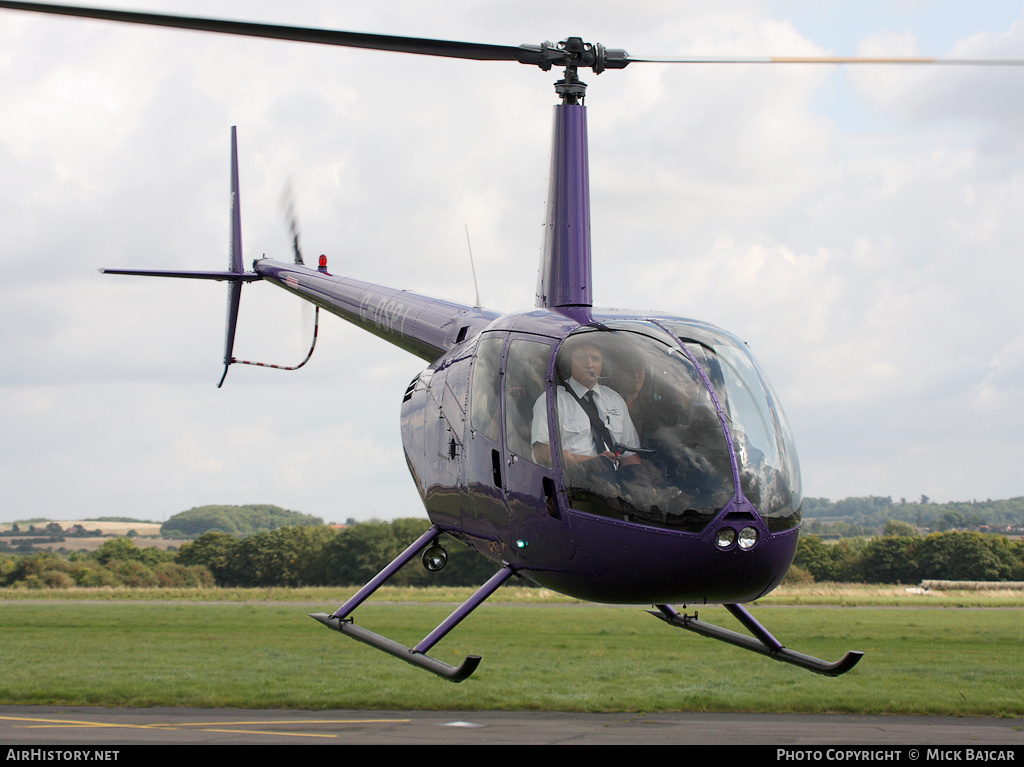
235,273
243,277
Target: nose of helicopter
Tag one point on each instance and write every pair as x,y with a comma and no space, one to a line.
736,558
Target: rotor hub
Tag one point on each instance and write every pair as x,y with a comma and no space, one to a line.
573,53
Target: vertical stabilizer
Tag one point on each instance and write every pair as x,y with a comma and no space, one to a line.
234,260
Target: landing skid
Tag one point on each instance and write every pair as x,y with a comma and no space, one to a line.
417,656
762,642
451,673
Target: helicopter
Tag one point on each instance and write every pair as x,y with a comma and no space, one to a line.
700,505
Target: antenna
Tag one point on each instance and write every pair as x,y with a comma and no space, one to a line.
472,266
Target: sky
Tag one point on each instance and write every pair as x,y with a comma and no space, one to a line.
861,228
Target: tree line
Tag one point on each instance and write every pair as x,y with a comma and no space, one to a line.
325,556
911,558
317,555
305,555
868,515
118,562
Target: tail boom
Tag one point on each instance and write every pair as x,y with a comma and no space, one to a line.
425,326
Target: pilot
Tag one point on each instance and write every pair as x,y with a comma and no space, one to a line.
605,432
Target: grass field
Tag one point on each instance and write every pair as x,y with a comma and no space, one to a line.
930,657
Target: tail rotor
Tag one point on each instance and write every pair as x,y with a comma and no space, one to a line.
291,219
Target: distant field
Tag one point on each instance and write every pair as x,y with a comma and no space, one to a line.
148,535
262,651
148,529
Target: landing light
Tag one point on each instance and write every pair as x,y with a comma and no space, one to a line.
435,558
748,537
725,537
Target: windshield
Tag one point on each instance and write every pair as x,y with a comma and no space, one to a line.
660,433
766,456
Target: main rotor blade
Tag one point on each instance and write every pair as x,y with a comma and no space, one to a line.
821,60
423,46
571,52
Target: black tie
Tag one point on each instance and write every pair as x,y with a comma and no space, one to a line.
598,430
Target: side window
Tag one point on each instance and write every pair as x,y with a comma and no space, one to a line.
485,412
526,399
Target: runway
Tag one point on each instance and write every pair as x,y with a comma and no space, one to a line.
69,727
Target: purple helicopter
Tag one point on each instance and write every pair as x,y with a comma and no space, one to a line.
613,456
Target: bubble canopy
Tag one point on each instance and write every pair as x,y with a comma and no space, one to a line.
692,421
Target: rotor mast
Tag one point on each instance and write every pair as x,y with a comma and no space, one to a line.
570,88
565,277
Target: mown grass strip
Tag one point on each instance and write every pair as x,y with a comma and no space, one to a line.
816,594
965,662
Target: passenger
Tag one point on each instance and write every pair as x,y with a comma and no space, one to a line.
633,378
648,411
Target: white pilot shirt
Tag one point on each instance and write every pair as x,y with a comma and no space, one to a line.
574,424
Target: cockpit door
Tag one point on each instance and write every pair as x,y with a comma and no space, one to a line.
484,512
536,510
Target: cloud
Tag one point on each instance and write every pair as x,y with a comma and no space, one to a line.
861,229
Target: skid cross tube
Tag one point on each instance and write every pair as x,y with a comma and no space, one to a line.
762,642
417,656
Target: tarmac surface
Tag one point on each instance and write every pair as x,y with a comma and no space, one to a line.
48,727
